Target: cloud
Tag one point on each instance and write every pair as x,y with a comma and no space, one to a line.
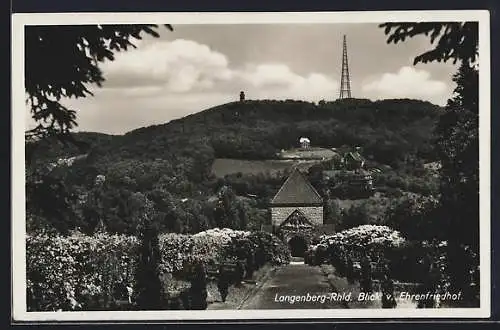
185,66
408,82
164,80
177,66
278,81
270,75
108,112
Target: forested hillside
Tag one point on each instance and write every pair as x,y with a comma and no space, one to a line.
169,164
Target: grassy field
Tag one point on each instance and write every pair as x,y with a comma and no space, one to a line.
224,166
311,153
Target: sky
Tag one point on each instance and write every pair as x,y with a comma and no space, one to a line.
196,67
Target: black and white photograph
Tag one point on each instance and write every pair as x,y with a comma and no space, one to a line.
211,166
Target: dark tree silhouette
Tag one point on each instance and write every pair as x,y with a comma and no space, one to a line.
455,40
198,289
149,286
148,281
457,140
458,149
223,282
48,201
62,61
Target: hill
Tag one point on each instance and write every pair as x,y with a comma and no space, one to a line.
171,163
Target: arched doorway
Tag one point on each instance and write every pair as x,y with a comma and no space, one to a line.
298,246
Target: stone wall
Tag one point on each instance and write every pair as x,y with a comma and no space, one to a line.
280,214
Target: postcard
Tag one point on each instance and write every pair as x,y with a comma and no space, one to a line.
251,166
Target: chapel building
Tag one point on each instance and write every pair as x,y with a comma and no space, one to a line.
297,213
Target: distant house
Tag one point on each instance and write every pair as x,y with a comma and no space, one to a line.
353,160
296,212
349,184
305,143
361,180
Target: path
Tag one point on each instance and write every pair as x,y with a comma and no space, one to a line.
294,280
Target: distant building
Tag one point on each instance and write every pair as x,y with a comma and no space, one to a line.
242,96
297,212
350,180
361,181
353,160
297,193
99,179
305,143
349,184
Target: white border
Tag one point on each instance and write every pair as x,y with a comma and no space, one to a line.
18,171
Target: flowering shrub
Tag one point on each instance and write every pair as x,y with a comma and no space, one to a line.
270,248
211,245
372,240
81,272
175,249
365,236
77,271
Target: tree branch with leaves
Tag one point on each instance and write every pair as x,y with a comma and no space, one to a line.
457,144
63,62
456,41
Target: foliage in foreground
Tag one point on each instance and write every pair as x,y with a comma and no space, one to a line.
63,62
364,239
82,272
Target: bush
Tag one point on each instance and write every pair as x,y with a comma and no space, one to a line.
407,262
81,272
77,271
269,248
365,236
416,217
356,215
367,240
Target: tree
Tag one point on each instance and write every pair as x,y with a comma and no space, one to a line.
455,40
457,139
61,62
356,215
149,286
198,289
226,211
92,209
415,218
457,130
458,149
332,213
48,202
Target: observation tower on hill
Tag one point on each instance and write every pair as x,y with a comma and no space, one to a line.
345,80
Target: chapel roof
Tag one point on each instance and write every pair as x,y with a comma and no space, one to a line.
297,190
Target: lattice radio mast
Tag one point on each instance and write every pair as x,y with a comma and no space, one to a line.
345,81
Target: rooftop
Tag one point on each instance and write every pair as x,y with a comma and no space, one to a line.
297,190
